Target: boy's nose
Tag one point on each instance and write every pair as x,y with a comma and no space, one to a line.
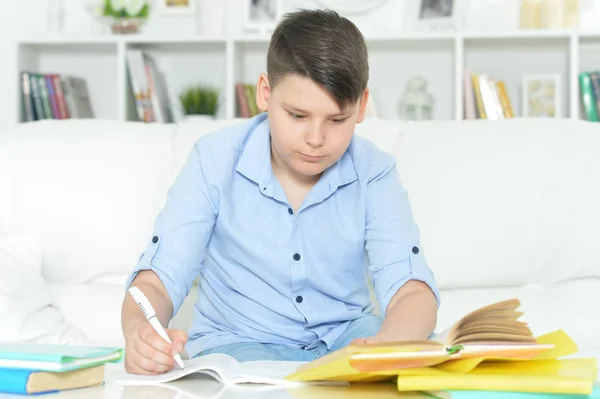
315,138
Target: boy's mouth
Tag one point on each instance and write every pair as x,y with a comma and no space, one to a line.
311,158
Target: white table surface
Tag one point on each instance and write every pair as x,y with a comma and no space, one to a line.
196,386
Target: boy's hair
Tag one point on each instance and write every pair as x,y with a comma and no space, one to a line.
324,47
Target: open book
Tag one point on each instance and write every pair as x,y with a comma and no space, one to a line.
224,368
491,332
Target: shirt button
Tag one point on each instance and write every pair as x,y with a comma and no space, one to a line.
155,239
304,347
415,250
296,256
299,299
290,211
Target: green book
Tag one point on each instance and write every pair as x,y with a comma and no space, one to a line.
48,357
588,97
510,395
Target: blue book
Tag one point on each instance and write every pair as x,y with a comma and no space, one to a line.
29,382
48,357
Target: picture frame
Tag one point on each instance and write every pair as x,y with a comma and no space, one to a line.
177,7
261,15
433,15
541,96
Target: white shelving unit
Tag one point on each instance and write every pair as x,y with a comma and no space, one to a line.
440,57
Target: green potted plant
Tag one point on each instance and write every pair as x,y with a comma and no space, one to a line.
200,102
126,16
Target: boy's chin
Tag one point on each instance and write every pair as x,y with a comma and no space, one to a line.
310,169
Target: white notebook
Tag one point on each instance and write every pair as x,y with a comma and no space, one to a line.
224,369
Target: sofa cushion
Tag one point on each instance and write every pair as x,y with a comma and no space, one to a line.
27,309
504,203
571,306
90,188
187,133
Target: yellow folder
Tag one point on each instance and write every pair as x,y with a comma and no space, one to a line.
544,373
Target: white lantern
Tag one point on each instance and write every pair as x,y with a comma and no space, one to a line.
416,103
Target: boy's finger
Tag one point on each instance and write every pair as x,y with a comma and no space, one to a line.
153,339
154,354
177,335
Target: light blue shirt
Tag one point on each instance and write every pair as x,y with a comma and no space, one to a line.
266,273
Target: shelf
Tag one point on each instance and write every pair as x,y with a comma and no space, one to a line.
52,41
409,36
222,61
521,34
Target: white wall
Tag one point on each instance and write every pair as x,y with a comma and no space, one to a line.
28,17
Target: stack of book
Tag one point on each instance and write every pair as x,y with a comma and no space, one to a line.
487,350
245,94
486,98
155,100
54,96
38,368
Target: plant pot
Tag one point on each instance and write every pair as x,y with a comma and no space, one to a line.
199,118
126,25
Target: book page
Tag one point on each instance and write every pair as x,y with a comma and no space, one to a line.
263,372
493,324
215,365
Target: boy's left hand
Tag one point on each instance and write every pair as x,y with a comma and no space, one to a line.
374,339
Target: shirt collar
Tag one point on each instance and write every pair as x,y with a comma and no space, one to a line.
337,175
255,158
255,164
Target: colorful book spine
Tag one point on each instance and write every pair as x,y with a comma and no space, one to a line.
587,96
52,97
478,99
470,107
504,100
16,381
43,89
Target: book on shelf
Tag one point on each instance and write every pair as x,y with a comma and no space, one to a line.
54,96
140,86
485,97
245,94
153,97
589,89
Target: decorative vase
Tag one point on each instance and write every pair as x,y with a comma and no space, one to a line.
56,16
417,103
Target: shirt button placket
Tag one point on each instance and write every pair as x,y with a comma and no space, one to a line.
296,265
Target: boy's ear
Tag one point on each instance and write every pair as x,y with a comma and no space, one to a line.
263,92
364,99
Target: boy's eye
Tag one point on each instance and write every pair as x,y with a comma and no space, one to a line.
296,116
338,120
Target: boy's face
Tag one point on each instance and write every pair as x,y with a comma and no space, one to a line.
309,132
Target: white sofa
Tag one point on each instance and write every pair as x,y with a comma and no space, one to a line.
506,209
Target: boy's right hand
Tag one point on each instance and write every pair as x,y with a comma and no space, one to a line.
147,353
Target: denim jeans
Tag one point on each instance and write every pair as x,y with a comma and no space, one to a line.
363,327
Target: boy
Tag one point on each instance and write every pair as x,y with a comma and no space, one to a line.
276,216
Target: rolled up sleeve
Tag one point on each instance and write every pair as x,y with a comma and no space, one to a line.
392,239
177,246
